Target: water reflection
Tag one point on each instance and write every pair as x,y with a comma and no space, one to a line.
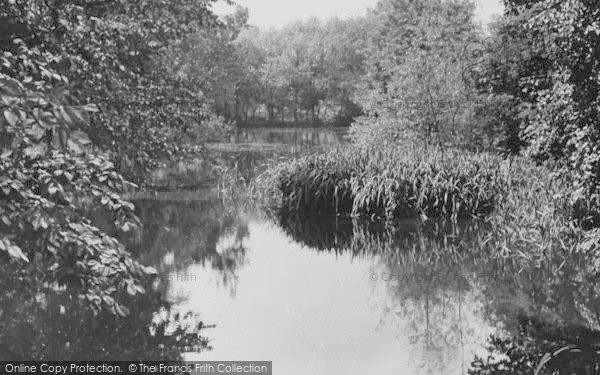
449,292
431,295
541,348
313,137
40,324
322,312
193,228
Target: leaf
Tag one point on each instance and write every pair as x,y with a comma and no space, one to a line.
121,310
36,132
66,116
33,152
81,137
10,86
75,147
17,253
11,117
78,113
108,300
91,108
131,289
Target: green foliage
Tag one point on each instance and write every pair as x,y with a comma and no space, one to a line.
553,85
90,90
417,84
509,56
390,184
126,57
218,68
48,181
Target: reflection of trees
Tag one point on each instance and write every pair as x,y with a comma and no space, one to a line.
178,233
39,324
427,270
436,292
448,276
364,237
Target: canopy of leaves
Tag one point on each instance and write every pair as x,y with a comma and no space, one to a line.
126,57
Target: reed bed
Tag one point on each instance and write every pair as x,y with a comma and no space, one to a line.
389,184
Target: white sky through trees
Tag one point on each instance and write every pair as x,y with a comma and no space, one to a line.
277,13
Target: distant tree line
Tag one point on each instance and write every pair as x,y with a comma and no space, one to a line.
305,73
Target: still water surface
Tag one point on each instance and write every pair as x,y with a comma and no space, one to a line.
323,313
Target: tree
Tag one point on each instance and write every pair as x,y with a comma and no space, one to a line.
552,85
417,81
214,63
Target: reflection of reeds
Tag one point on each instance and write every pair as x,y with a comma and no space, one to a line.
367,237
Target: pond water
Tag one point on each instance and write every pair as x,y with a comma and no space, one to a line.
316,295
324,313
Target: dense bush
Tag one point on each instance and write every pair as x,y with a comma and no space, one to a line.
544,62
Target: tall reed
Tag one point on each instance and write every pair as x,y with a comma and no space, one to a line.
390,184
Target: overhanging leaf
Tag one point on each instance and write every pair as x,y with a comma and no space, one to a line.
11,117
